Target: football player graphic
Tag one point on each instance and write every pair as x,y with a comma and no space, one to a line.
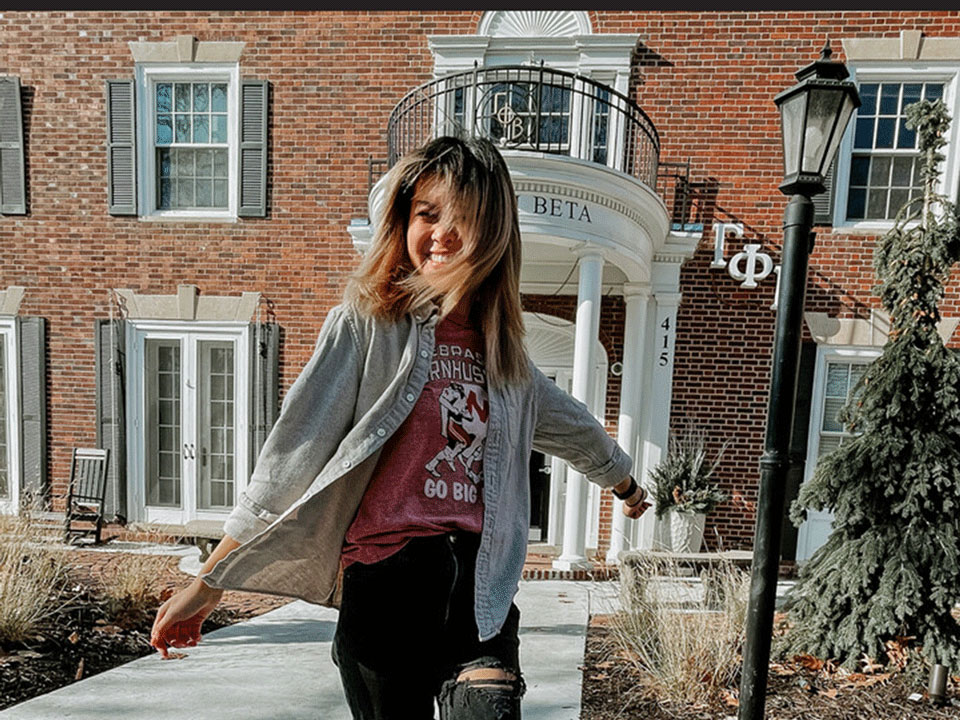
463,422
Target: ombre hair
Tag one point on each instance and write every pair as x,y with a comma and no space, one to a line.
480,203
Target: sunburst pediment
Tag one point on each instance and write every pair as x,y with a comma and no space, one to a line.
534,23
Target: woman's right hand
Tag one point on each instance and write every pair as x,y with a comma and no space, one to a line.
179,619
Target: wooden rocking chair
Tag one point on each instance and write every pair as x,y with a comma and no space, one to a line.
86,494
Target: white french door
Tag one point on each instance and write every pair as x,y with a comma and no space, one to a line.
190,456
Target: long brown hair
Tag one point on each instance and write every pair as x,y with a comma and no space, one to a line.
482,206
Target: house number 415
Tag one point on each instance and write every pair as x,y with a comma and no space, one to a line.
664,358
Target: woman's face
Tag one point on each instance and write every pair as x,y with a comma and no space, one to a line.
430,243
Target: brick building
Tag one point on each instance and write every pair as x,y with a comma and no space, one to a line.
184,195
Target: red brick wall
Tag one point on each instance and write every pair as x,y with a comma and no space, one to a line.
706,79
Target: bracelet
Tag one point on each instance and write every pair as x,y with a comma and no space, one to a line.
628,492
643,497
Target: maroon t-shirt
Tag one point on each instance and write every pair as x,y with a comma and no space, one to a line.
429,477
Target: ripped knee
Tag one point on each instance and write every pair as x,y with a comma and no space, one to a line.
484,689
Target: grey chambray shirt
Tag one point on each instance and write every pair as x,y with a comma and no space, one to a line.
362,381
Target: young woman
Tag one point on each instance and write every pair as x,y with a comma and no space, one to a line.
394,485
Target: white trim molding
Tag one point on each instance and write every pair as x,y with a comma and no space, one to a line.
147,76
10,299
189,304
910,45
862,332
186,49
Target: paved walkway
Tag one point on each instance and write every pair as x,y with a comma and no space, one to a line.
278,667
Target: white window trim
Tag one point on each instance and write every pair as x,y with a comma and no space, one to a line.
147,76
915,72
8,329
137,332
825,354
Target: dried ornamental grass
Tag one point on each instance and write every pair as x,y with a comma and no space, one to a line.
684,641
33,577
131,586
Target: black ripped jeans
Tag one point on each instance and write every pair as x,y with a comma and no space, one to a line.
406,630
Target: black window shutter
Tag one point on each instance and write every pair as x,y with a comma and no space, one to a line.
798,445
13,194
31,332
823,203
253,148
265,390
121,150
110,355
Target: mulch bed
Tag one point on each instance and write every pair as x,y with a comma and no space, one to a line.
82,639
798,691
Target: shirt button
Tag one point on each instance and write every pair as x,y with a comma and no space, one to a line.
410,397
347,463
424,353
381,432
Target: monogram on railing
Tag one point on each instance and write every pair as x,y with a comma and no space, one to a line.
533,108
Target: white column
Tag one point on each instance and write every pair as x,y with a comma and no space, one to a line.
628,425
584,360
656,406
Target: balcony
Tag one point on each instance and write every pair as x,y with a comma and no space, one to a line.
530,108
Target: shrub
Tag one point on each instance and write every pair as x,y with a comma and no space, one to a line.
686,652
131,587
683,479
33,579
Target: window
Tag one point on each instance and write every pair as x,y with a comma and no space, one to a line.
877,166
189,142
192,148
842,377
885,163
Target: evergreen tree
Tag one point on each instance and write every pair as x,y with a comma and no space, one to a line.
891,567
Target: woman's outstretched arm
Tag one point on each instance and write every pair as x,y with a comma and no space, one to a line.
179,619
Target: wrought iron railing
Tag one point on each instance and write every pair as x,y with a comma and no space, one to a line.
530,108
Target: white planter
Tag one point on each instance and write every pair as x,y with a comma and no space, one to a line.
680,532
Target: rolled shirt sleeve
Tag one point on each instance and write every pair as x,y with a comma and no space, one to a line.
566,428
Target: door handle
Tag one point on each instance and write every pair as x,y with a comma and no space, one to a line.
188,451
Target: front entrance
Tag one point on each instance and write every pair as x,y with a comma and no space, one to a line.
192,438
539,496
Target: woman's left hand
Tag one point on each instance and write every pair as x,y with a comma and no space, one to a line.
635,511
637,503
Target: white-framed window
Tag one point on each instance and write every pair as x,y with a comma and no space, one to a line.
9,419
878,161
188,402
188,120
837,371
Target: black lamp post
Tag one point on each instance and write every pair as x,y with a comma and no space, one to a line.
814,114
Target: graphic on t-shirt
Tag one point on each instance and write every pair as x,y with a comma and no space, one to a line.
463,422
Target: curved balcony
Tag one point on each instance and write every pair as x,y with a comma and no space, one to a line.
533,108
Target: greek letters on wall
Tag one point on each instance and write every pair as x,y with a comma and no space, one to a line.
750,266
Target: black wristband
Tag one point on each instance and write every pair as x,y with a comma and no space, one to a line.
628,492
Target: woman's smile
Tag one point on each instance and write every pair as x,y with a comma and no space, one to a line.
431,242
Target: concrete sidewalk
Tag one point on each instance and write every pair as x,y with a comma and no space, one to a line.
278,667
